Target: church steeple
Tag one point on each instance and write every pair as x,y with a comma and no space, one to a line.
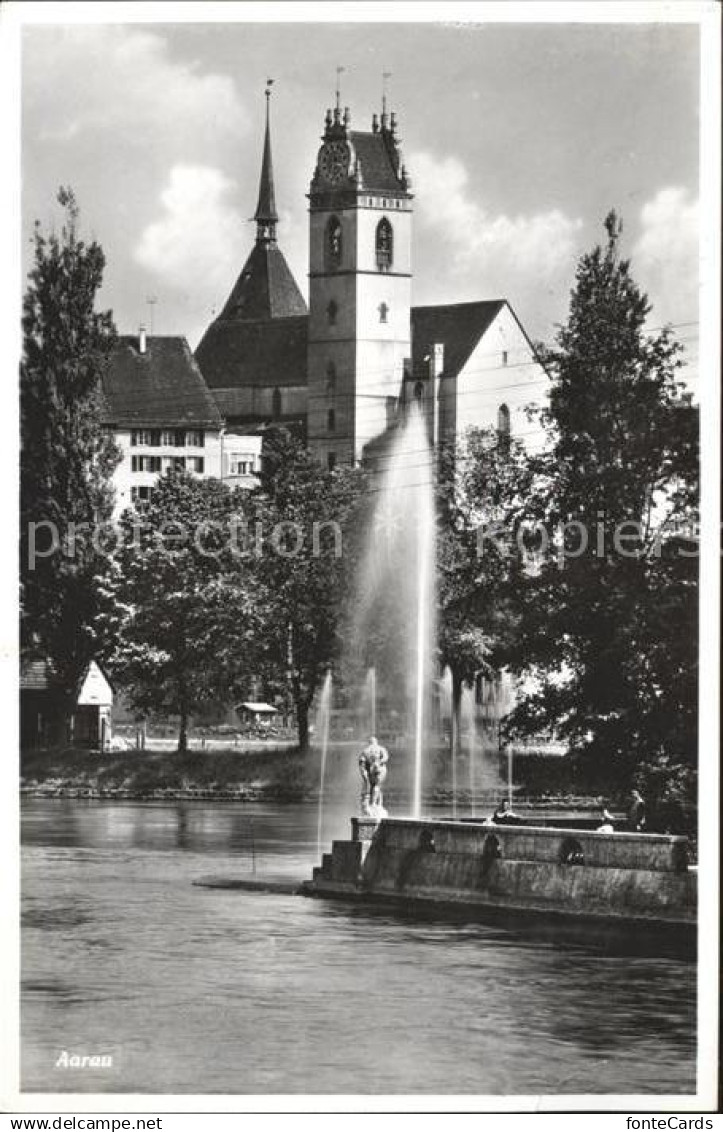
266,216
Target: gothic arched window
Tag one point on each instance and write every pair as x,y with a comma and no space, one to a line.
383,312
276,403
333,242
384,244
503,424
332,311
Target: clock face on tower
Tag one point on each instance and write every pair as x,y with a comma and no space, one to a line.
334,162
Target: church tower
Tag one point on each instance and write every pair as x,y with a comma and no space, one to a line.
359,285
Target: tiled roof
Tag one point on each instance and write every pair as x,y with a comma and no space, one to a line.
162,386
257,353
265,288
375,162
458,327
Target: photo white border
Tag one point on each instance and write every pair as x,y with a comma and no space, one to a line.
13,17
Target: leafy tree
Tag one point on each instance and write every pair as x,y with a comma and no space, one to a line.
190,620
305,517
67,458
483,484
609,621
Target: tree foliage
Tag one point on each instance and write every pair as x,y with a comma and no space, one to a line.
190,624
67,456
608,623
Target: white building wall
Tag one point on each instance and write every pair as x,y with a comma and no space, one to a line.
502,370
125,479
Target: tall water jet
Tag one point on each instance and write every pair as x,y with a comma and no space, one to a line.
469,715
323,719
447,717
370,697
393,625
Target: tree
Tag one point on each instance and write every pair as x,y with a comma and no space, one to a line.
67,457
305,516
609,622
483,484
189,621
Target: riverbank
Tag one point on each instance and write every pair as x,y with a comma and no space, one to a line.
276,774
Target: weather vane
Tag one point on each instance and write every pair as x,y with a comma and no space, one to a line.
339,73
385,76
269,84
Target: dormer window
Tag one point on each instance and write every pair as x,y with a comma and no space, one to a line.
331,312
383,312
333,242
384,244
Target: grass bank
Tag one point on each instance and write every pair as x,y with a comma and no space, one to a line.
271,774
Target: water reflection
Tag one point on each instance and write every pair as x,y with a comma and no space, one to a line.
200,990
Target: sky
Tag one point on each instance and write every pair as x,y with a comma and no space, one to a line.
519,138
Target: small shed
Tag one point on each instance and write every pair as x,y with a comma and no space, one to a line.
259,713
43,707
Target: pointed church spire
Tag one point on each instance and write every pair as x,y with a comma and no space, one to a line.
266,216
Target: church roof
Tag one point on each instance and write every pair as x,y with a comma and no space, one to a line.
162,386
266,207
376,164
272,352
264,289
458,326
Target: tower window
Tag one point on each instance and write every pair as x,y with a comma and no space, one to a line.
331,378
504,357
383,312
276,403
332,311
331,421
333,242
503,423
384,244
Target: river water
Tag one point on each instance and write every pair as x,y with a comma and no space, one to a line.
199,990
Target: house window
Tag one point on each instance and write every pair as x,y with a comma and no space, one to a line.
503,422
384,244
141,494
180,438
168,438
333,242
153,463
331,312
331,461
196,464
195,439
179,463
155,439
331,420
242,464
383,312
276,403
331,378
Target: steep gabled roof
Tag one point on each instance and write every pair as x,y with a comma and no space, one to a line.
264,289
376,165
273,353
162,386
459,327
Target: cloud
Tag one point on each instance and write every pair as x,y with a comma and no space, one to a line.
129,82
665,255
491,254
196,243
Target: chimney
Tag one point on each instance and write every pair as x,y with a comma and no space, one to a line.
141,339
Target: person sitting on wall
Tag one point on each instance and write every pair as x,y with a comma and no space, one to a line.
606,825
373,769
637,814
505,815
